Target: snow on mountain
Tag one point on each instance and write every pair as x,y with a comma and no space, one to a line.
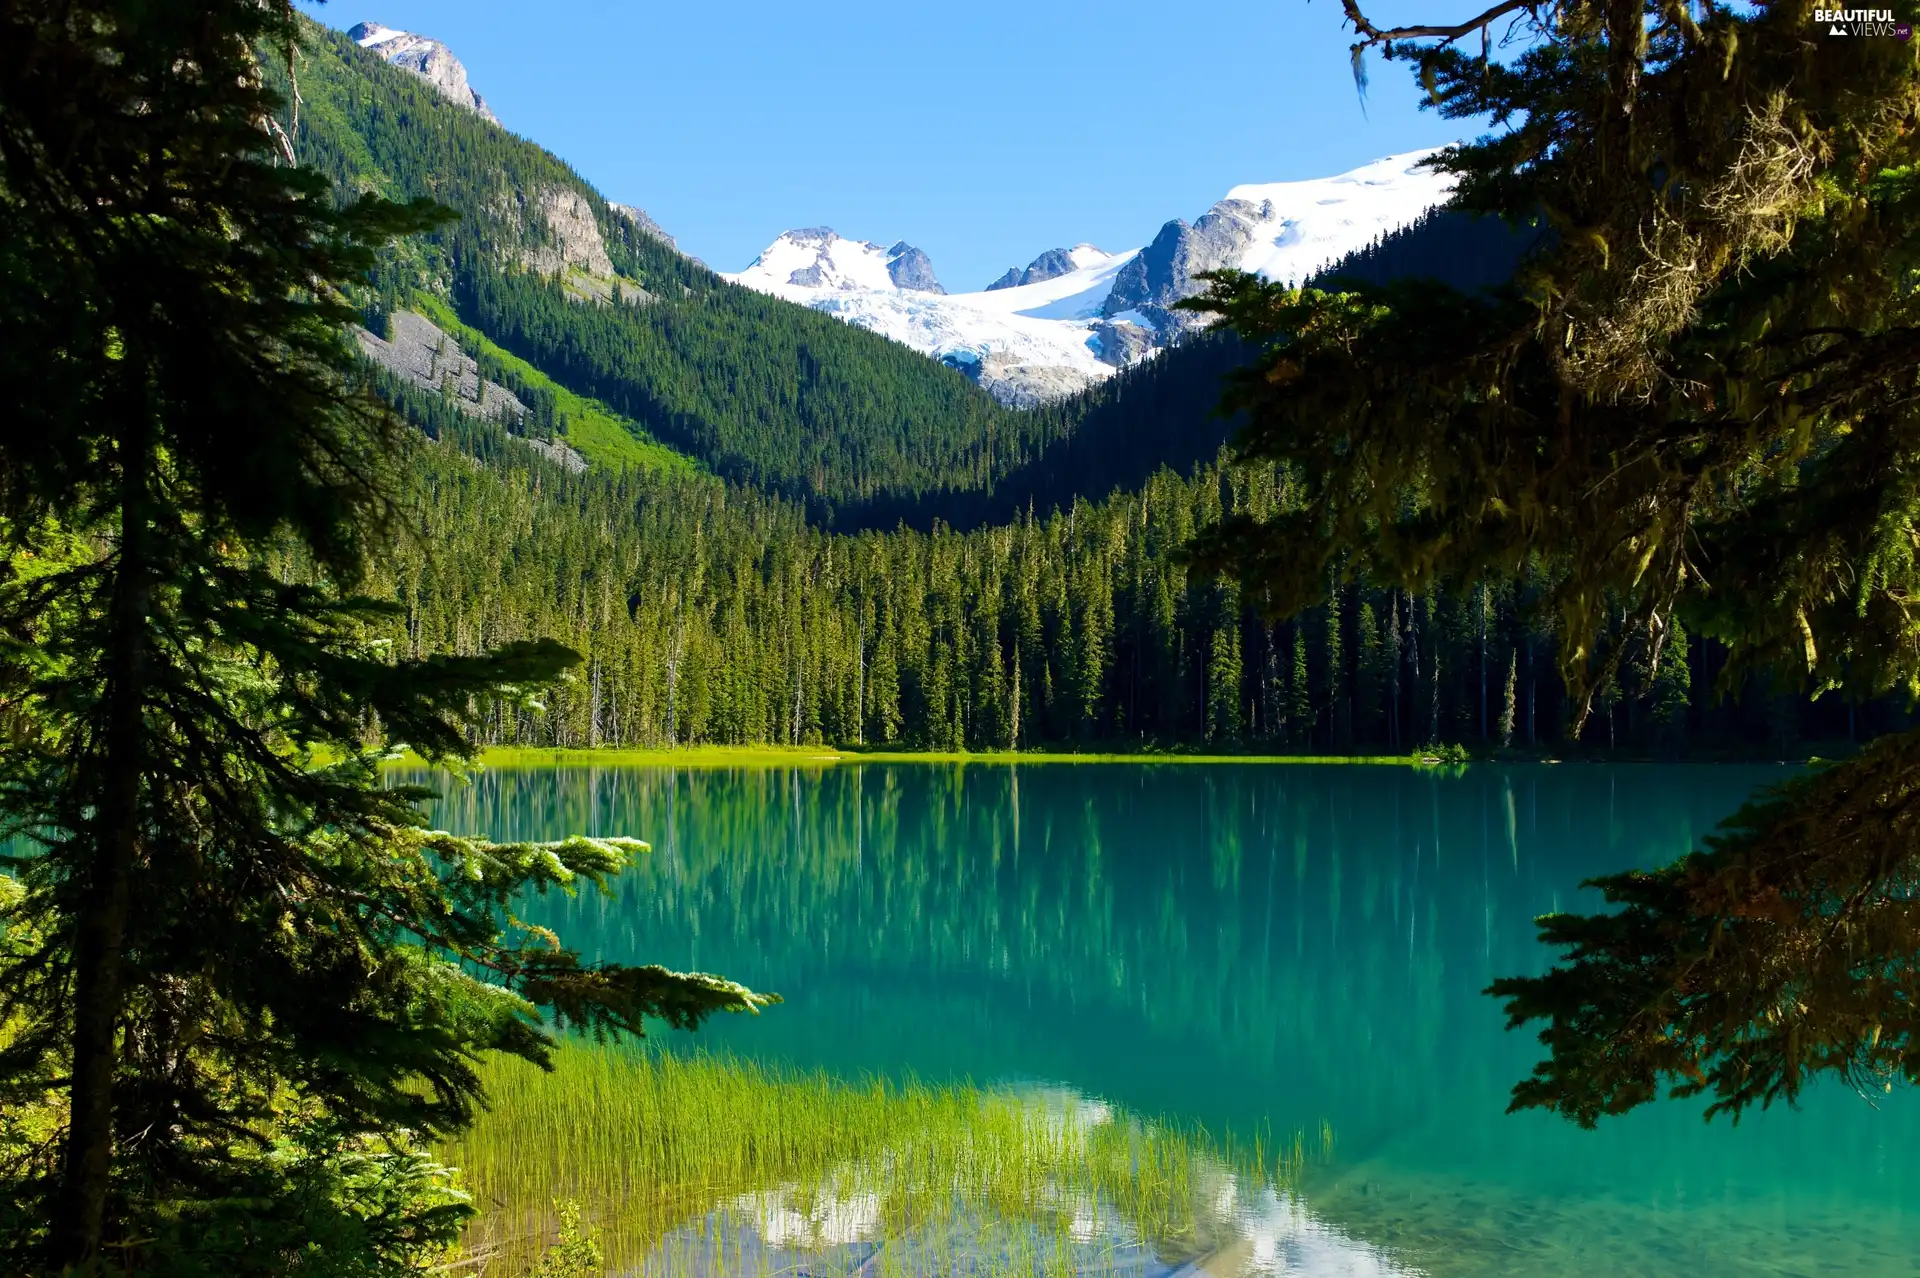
820,258
1026,344
1282,230
1049,264
1076,315
429,59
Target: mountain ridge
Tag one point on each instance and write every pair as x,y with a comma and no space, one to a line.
1074,316
1060,326
591,302
427,58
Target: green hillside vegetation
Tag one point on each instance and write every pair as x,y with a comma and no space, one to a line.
1032,591
709,614
762,391
597,433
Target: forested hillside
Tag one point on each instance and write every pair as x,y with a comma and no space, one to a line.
999,578
764,393
711,614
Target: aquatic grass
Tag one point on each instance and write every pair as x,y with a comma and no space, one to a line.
702,1163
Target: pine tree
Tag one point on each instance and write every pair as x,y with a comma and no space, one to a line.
1672,688
1338,705
1695,403
1223,685
1369,688
1299,695
1393,654
1507,703
226,932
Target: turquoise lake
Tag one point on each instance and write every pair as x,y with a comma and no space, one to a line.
1238,946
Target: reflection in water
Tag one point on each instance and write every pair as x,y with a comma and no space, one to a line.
1238,946
1230,1231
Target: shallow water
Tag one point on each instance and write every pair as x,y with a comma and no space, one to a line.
1237,945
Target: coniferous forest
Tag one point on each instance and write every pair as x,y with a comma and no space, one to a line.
869,551
350,435
711,614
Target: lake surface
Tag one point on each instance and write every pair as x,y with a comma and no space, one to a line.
1236,945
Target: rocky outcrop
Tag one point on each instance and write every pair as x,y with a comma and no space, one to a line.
1024,385
1122,345
419,352
556,452
572,236
911,269
1049,265
1165,271
428,59
416,350
644,224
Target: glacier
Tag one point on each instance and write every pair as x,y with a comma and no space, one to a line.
1027,342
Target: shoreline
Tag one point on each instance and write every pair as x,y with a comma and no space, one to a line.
720,756
782,756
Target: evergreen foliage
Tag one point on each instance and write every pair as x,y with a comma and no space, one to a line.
762,391
1694,411
709,614
236,975
865,432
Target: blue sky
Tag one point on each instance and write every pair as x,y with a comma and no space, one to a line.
984,134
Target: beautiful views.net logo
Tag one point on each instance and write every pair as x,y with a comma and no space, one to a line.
1862,22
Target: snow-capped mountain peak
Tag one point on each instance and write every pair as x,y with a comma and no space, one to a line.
1074,316
368,34
818,257
427,58
1052,263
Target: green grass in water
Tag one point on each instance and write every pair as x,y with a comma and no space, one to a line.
678,1160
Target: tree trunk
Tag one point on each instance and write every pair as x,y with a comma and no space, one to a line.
1413,684
1531,740
100,924
1483,663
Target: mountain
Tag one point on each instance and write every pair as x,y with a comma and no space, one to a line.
429,59
655,466
1025,344
1050,265
1074,316
539,267
1281,230
642,222
627,353
820,258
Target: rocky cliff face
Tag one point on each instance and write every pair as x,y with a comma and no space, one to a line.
1050,265
645,224
429,59
1024,385
1124,345
909,268
1166,270
418,351
572,235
